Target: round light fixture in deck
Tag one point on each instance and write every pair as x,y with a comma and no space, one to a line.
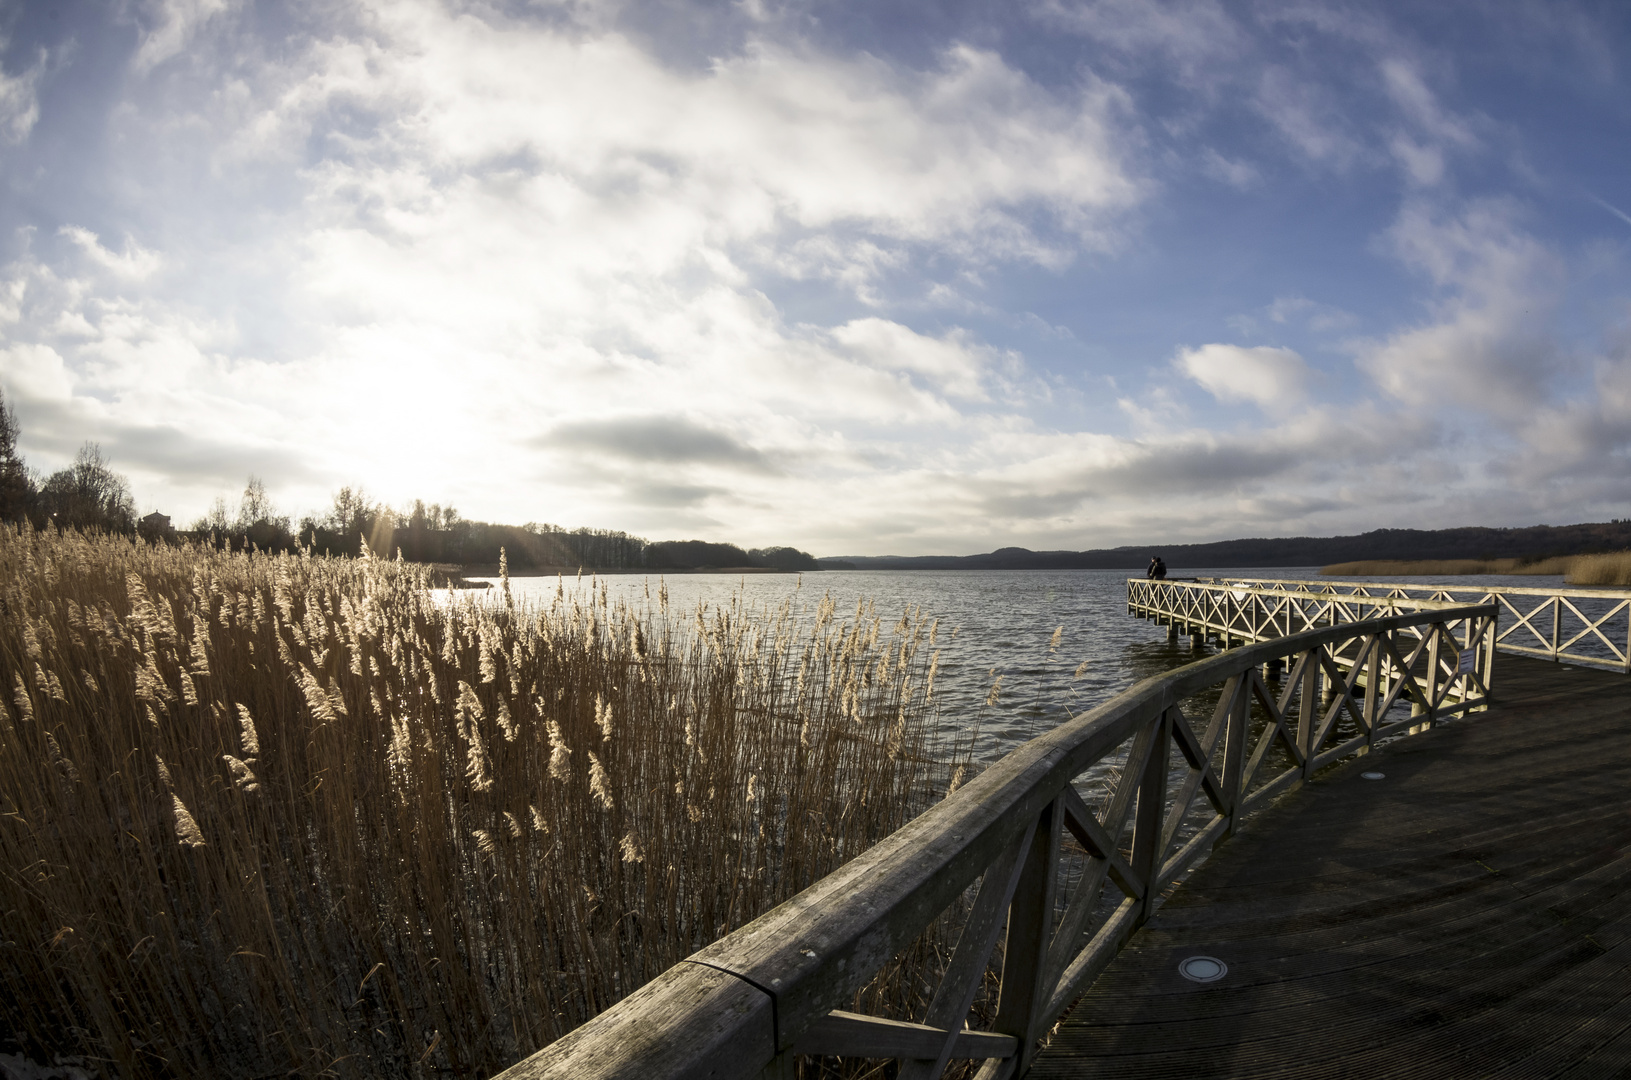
1372,776
1203,969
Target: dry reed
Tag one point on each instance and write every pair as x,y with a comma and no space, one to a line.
279,814
1613,568
1610,569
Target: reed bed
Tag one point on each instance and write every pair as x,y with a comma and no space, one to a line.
1613,568
1609,569
270,815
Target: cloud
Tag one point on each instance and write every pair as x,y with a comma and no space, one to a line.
20,101
1409,92
656,440
1316,316
1265,374
1241,175
1198,38
1489,343
465,226
951,364
1568,443
1300,111
134,264
774,140
172,26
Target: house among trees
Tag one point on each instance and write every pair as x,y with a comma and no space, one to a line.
154,525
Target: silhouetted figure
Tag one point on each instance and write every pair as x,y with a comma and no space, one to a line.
1157,570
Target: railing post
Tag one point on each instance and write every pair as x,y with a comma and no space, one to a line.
1308,711
1152,800
1373,694
1235,740
1557,624
1024,956
1436,632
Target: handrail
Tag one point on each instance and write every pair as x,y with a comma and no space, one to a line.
745,1005
1557,628
1303,584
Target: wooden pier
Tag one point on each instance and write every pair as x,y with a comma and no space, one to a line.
1468,914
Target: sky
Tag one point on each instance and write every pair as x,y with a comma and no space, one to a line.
885,277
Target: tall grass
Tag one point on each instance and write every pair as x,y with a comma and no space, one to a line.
1610,569
263,815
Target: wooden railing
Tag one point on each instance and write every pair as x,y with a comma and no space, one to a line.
1579,625
1237,612
1048,883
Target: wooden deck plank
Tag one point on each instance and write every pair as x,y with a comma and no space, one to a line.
1469,915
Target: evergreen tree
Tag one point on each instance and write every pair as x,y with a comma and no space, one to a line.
16,487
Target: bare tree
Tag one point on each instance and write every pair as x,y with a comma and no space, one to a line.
216,519
255,506
89,495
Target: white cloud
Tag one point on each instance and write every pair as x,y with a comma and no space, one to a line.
134,264
173,24
1488,344
1298,108
774,140
952,363
1241,175
1197,37
1263,374
20,101
1409,91
1423,165
493,230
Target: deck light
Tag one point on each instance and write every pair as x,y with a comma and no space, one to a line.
1372,776
1203,969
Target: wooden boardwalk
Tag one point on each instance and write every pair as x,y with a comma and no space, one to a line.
1467,915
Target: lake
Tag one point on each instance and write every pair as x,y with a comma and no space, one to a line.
990,619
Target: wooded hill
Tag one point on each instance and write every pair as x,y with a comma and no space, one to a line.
1529,542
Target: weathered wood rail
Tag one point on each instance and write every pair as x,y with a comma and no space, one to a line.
1581,626
1050,884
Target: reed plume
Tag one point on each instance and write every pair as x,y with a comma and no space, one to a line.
296,815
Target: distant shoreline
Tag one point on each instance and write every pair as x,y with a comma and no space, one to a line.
1529,543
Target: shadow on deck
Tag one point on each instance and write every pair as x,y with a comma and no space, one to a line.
1467,915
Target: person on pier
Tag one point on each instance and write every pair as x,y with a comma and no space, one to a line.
1157,570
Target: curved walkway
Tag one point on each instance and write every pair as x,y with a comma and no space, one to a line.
1467,915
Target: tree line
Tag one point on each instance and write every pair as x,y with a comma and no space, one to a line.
90,495
87,494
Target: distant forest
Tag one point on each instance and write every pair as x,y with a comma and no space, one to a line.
1530,543
89,494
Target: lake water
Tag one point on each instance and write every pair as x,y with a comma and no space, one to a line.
990,619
